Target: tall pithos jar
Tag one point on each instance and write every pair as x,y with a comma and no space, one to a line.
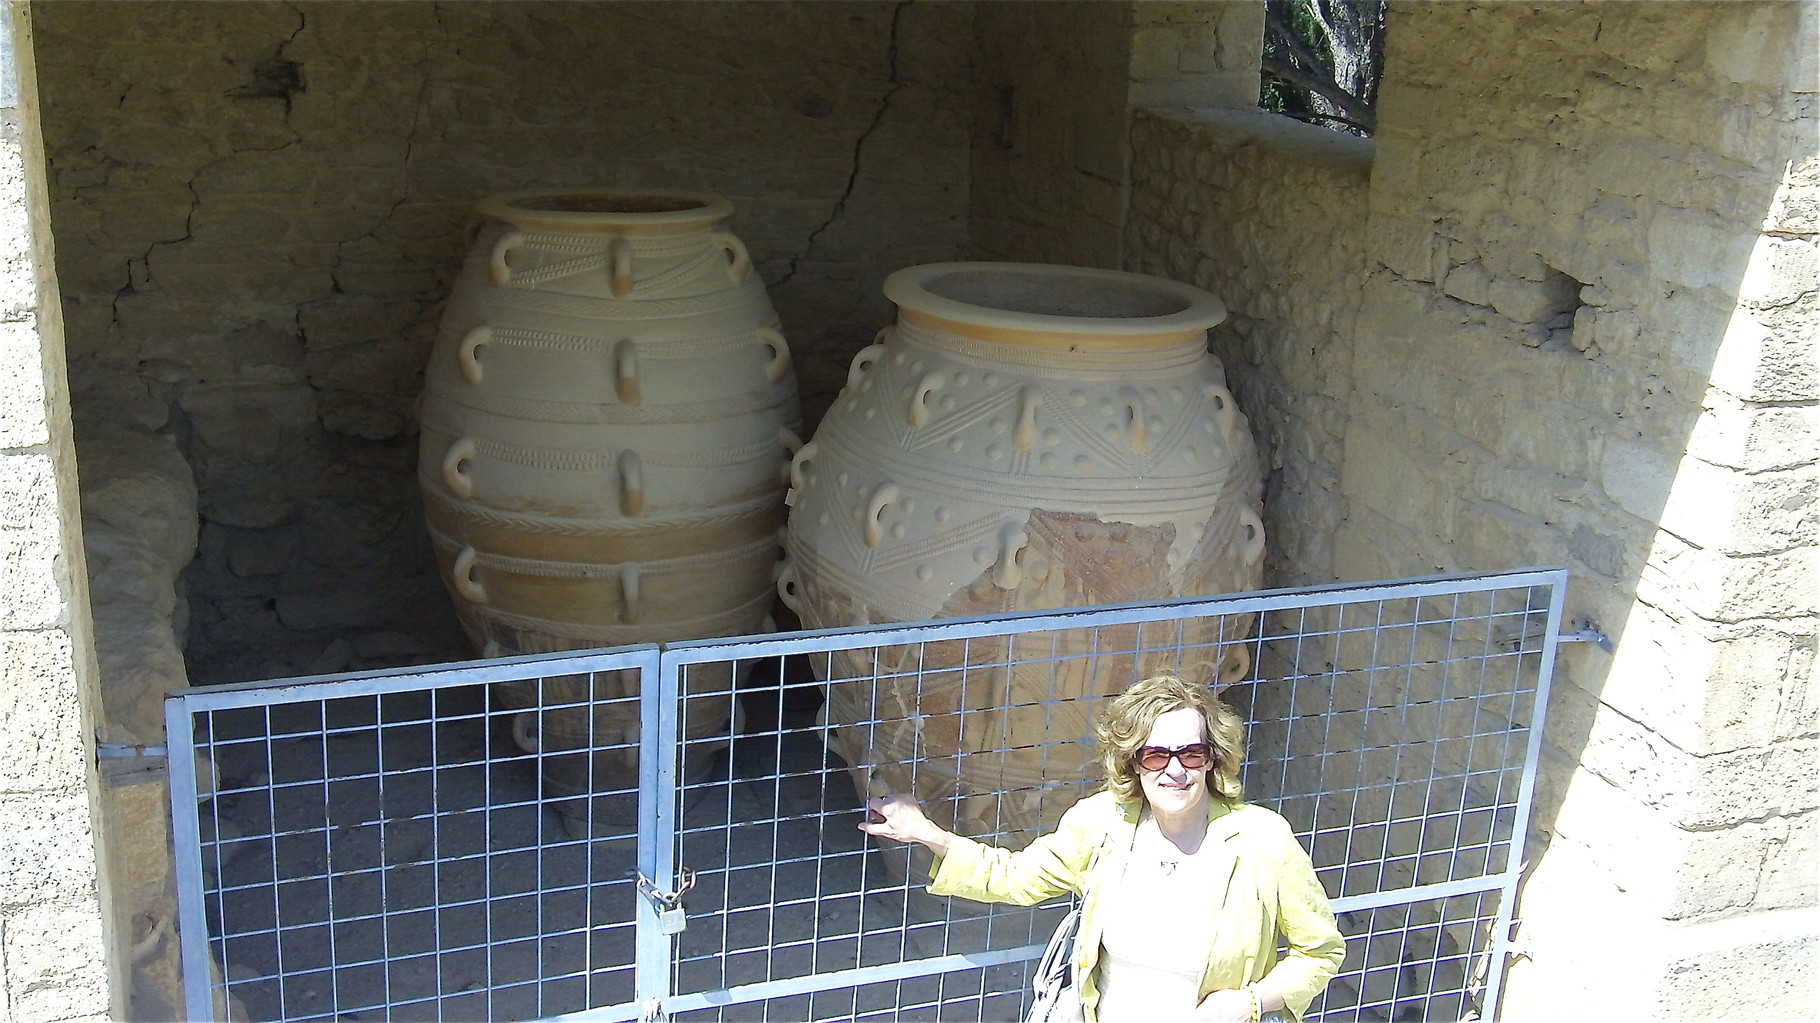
607,420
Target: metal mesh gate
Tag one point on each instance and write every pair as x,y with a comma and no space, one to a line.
397,846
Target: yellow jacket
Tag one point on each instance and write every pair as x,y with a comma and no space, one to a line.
1271,889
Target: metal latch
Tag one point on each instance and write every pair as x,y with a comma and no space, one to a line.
671,918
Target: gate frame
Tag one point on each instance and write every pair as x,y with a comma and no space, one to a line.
661,735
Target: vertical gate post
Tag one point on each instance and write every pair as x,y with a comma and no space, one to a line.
186,835
660,730
1532,756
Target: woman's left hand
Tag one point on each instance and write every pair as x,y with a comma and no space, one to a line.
1225,1007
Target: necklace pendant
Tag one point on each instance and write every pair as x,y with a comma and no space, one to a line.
1169,866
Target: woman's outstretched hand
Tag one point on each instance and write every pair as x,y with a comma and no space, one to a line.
897,817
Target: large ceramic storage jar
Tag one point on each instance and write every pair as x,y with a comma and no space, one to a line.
1026,437
607,419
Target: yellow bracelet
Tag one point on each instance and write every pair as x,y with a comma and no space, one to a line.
1257,1004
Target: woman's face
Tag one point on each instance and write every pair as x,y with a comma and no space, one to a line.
1175,789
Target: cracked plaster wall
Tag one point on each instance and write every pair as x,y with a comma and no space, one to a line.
259,208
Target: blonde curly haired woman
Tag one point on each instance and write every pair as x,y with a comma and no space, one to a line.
1185,888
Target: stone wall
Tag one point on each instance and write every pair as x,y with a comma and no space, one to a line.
1589,342
259,208
1573,323
1048,161
55,958
1196,54
1269,214
1051,166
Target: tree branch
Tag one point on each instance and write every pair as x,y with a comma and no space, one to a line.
1298,50
1311,116
1313,77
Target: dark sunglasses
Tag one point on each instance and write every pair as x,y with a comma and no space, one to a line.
1193,756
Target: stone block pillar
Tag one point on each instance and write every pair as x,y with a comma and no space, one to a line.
54,948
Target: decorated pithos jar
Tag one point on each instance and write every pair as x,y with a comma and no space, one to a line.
1025,437
607,419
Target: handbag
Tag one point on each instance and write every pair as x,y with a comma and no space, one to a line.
1056,999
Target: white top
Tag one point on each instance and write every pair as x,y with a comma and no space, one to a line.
1158,933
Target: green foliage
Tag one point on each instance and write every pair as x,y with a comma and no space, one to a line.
1322,61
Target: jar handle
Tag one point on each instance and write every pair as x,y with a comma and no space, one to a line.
454,475
779,362
741,262
919,401
625,358
799,464
1007,573
1025,438
881,499
462,574
524,731
631,484
791,443
1136,433
1232,668
788,586
619,254
1251,540
507,243
862,362
631,609
1226,409
476,339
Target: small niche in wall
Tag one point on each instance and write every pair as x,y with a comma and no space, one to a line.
1560,323
1550,313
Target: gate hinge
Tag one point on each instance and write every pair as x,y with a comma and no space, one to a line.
1515,947
122,750
1586,631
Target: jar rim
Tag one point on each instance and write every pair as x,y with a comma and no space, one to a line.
607,209
1054,298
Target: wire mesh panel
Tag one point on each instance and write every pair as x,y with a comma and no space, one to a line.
1420,960
1391,725
793,914
378,847
1395,736
413,846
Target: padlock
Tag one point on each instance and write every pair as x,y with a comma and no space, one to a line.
672,920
